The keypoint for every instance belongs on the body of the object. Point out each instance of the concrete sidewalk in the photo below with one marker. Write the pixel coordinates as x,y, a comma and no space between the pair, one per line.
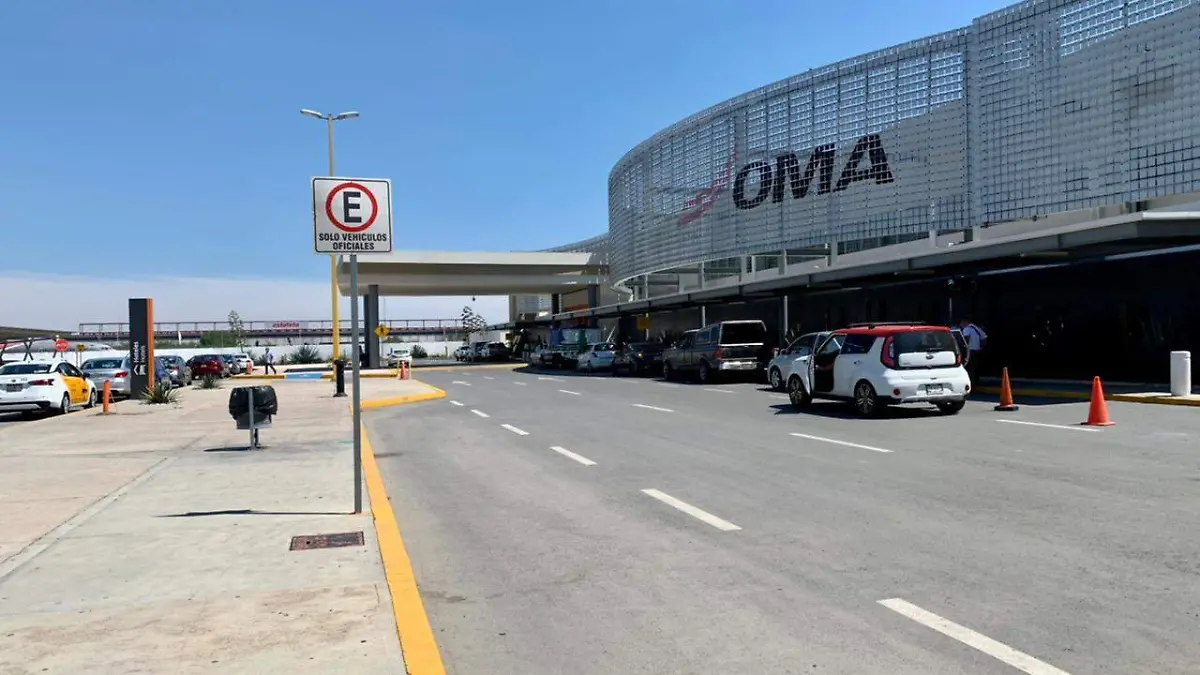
151,540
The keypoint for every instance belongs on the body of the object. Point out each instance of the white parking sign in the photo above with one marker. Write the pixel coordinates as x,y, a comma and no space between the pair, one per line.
352,215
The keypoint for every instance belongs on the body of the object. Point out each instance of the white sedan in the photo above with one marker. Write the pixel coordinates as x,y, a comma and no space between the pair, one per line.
44,386
780,367
596,357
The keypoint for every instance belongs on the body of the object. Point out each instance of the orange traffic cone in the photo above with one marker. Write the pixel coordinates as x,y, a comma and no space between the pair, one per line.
1098,412
1006,399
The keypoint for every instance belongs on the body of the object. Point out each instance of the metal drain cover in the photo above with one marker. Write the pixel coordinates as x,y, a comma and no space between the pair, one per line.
336,540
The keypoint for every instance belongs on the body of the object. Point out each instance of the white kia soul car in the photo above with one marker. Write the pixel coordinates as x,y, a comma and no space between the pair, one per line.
880,364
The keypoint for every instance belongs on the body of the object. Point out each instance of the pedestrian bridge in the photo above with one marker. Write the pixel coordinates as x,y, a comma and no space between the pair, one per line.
473,273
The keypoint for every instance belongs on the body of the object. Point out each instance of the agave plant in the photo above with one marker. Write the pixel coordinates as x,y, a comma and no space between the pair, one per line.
306,354
160,393
210,381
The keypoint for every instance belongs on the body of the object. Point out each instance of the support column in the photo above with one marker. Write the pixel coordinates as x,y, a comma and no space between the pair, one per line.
370,323
555,304
786,327
593,300
703,316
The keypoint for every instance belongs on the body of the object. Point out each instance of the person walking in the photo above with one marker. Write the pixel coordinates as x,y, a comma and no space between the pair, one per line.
269,361
976,341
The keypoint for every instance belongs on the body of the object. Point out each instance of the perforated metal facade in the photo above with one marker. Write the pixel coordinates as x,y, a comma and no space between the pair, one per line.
1043,107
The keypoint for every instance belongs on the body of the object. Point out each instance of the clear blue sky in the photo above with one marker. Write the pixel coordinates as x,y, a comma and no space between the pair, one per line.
142,126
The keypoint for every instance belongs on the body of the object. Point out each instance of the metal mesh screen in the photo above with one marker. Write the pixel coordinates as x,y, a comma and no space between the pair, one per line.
1041,107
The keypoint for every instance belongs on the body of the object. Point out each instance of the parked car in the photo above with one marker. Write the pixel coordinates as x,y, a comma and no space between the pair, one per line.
231,366
494,351
476,351
780,367
401,354
115,370
719,350
639,358
595,357
462,353
44,386
207,364
181,373
244,363
877,365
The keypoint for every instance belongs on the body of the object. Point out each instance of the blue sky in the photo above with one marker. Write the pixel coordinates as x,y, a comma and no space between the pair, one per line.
146,137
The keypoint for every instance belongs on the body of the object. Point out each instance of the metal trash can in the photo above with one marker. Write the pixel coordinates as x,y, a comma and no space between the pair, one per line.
252,408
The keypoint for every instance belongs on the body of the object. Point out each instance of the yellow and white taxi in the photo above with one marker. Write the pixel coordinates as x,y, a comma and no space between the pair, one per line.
44,386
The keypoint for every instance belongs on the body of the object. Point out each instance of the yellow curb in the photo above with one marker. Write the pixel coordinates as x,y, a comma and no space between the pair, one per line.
401,400
1160,400
257,377
1081,396
421,656
1039,393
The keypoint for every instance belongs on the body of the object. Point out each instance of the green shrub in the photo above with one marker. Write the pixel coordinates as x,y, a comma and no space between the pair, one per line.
419,352
159,393
306,354
210,381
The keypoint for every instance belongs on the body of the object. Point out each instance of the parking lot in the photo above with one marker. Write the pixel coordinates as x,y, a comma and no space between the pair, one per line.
586,524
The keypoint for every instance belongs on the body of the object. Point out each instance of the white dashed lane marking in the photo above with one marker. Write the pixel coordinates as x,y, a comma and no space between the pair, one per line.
456,403
692,511
578,458
479,412
573,393
465,384
651,407
837,442
1050,426
997,650
519,432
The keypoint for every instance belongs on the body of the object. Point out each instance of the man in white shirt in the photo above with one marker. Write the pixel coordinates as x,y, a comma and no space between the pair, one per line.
976,341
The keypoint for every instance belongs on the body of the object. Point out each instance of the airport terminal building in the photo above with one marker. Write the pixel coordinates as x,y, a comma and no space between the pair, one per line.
1038,170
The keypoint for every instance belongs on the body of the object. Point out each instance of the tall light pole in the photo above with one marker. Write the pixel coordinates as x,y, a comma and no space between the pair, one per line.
335,260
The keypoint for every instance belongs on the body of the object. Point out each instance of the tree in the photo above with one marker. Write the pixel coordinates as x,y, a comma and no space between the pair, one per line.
217,338
237,329
472,322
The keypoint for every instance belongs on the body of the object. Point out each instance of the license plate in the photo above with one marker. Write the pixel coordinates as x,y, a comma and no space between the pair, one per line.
933,389
13,387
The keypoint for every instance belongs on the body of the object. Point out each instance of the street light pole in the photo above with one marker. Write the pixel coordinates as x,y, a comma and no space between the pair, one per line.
334,261
356,409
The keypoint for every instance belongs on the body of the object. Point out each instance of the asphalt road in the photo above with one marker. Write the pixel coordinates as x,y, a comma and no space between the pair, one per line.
634,526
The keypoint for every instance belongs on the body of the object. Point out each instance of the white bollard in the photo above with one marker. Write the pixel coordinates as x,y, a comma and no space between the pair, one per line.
1181,373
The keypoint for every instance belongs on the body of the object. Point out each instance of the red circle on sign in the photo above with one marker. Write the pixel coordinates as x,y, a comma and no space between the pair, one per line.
60,345
342,226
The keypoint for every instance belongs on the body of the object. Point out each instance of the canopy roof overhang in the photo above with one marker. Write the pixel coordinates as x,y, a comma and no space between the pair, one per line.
984,250
426,273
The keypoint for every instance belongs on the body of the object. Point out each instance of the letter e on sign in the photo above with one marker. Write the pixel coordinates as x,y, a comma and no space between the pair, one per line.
352,216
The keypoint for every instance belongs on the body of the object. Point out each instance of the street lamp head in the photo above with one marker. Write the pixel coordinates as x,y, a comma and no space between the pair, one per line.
312,113
347,115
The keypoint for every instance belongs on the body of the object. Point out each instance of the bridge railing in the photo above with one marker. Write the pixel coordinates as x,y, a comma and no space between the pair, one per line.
281,327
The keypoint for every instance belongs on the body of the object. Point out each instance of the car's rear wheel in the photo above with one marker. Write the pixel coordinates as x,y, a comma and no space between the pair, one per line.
951,407
866,402
706,376
64,406
91,402
668,372
798,395
776,379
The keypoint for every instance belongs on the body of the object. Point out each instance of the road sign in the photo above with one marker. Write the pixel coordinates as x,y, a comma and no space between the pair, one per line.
81,348
382,331
60,345
352,215
643,323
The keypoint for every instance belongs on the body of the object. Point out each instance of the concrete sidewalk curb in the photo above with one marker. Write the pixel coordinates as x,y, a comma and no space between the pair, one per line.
392,375
421,655
377,403
1158,399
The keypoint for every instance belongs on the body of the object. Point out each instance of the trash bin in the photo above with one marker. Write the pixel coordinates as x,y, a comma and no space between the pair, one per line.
266,404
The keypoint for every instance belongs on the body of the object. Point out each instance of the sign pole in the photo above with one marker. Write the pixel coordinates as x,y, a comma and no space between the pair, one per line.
355,396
